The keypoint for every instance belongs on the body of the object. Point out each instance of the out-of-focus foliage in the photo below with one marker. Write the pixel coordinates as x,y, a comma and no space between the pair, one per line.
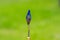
45,24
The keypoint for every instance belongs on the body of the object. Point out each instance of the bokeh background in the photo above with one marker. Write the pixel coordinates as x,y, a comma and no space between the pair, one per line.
45,23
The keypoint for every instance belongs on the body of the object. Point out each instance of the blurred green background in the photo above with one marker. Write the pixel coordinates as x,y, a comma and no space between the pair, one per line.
45,23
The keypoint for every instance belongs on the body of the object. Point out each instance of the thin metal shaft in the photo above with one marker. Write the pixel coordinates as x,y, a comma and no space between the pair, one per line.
28,32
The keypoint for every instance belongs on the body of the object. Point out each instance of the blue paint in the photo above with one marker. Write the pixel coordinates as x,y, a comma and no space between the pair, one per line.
28,17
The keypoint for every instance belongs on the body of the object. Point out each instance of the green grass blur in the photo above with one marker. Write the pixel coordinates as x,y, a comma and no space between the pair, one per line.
45,23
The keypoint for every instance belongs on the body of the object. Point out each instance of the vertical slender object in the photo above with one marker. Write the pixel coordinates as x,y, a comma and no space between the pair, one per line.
28,19
28,32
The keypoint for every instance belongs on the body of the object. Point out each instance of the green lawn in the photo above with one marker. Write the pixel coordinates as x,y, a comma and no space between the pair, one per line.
45,23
